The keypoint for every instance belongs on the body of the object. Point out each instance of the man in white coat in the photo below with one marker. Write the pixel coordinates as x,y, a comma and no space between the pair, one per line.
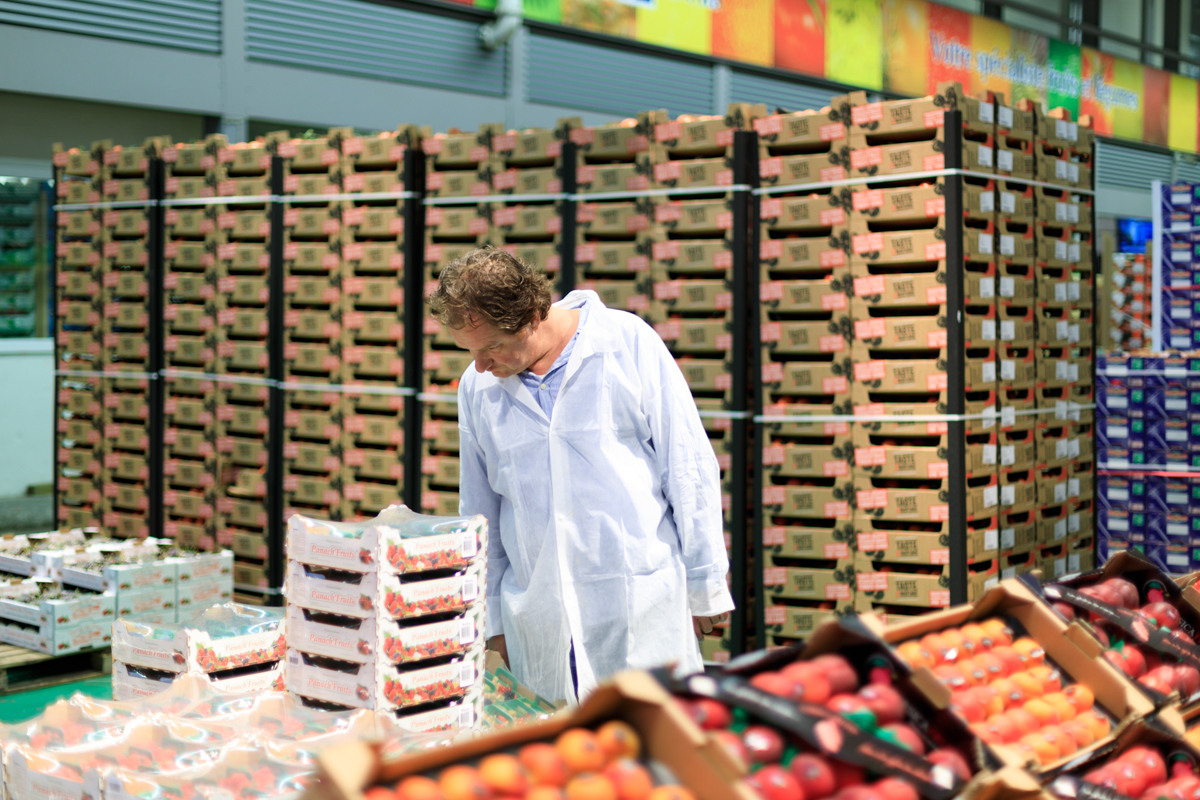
581,444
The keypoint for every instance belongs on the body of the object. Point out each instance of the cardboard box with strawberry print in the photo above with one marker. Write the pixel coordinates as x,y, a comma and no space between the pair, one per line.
397,540
368,640
222,637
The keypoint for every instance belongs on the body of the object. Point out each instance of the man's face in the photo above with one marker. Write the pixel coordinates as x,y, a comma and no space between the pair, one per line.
502,354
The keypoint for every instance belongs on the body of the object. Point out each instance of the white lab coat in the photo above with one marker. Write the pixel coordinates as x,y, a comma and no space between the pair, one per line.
605,520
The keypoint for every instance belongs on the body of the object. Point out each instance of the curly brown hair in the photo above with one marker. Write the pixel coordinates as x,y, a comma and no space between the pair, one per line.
492,286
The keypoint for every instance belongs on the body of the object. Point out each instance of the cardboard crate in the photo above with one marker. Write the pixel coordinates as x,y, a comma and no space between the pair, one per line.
881,286
634,176
1018,367
920,328
610,260
700,136
374,222
925,500
924,543
528,180
1018,491
876,374
616,141
878,582
891,456
1015,324
1018,450
813,498
459,222
806,460
374,429
613,220
809,579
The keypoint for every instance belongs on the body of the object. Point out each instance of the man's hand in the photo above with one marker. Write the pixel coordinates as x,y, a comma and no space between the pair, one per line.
702,625
498,644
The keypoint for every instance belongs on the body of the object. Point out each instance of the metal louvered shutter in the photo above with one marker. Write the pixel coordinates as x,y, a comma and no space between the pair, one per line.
376,41
747,87
1187,171
183,24
1130,168
567,73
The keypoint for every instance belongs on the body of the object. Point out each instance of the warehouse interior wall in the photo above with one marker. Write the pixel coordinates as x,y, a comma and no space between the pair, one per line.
31,123
27,424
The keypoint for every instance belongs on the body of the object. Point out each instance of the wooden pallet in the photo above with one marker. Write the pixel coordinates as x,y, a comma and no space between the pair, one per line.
22,670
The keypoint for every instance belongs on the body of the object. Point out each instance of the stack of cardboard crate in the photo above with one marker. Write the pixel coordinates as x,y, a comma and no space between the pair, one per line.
613,247
79,418
458,165
373,303
691,280
388,615
900,258
1015,297
242,233
125,295
1064,275
189,353
805,289
530,167
315,334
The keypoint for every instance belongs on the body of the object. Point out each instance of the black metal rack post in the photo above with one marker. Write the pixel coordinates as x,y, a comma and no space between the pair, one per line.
414,321
956,356
745,173
754,321
566,250
275,410
154,281
1097,263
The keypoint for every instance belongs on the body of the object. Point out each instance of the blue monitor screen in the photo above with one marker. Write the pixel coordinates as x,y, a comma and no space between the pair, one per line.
1133,233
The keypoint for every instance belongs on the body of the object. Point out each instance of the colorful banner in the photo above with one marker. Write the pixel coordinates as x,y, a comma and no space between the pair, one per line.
906,47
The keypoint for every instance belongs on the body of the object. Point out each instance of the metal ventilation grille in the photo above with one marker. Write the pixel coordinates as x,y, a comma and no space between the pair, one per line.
376,41
182,24
568,73
1130,168
747,87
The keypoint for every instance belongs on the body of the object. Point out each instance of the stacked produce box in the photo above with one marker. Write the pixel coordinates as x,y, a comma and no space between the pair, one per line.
615,163
1144,417
193,261
373,319
1016,297
1178,270
238,649
23,227
905,241
127,307
241,226
1130,303
388,615
530,168
37,612
459,166
805,291
1065,277
691,282
79,417
316,338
